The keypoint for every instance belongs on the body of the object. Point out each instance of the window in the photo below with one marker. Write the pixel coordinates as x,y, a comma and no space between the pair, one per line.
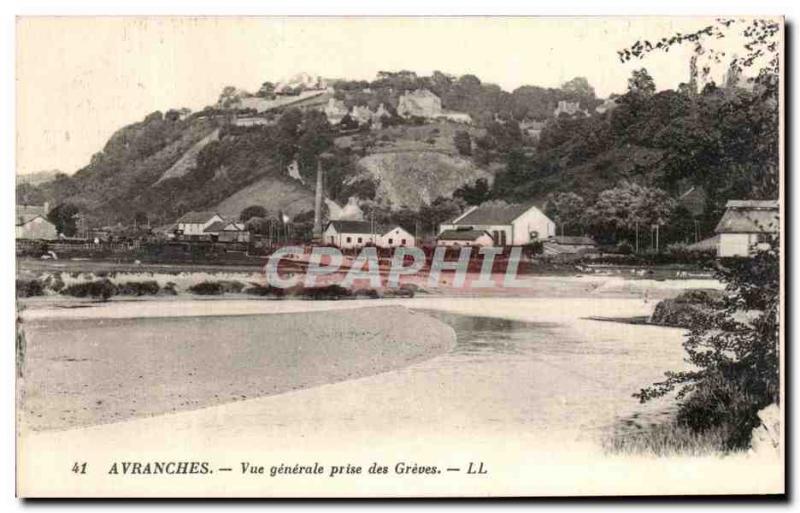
403,242
359,240
349,239
391,241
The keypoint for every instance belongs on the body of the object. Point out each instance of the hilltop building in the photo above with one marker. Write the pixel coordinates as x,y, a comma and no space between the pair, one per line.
747,226
335,110
569,108
508,225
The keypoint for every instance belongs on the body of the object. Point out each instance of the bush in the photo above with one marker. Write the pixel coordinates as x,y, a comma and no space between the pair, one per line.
54,282
231,286
138,288
29,288
734,352
366,294
169,289
325,292
102,289
217,288
207,288
269,291
624,248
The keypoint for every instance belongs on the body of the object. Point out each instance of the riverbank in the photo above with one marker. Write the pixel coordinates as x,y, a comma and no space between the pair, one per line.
87,371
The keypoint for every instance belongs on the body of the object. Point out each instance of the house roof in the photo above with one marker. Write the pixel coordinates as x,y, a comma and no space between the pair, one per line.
233,227
386,228
462,234
569,240
749,217
353,227
27,213
767,204
216,226
197,217
494,214
28,219
709,243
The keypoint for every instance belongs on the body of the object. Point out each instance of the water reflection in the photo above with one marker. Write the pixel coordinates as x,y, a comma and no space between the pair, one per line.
487,336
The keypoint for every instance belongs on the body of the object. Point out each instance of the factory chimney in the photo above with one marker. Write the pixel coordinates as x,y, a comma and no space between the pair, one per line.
317,233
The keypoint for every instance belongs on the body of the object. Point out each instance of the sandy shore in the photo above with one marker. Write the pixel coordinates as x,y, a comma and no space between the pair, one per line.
84,372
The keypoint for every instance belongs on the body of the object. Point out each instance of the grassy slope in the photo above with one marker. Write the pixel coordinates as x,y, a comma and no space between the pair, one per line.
273,193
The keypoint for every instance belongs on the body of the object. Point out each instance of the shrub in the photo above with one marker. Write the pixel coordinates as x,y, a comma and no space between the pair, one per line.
624,248
29,288
366,294
265,291
169,289
207,288
54,282
103,289
323,292
231,286
138,288
734,352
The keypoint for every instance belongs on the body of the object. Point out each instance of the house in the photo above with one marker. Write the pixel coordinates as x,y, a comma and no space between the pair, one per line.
335,110
568,244
31,223
395,237
464,237
212,231
350,234
747,226
532,129
234,232
193,225
508,224
569,108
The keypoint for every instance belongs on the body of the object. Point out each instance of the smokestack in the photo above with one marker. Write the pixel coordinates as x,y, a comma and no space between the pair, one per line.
317,233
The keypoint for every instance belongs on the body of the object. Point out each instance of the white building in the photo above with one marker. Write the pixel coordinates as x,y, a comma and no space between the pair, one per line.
396,237
357,234
194,224
349,234
508,225
464,238
747,226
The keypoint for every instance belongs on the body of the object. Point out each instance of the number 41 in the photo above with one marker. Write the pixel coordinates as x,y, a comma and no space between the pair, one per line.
79,468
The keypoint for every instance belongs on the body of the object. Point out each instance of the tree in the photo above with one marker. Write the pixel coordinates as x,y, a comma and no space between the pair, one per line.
473,194
641,83
625,209
463,142
267,90
63,217
252,211
566,209
761,53
735,352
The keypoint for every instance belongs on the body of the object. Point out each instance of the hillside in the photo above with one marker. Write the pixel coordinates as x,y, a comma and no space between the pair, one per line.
507,146
274,194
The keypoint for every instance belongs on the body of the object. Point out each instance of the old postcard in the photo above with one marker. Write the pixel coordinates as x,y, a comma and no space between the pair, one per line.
399,256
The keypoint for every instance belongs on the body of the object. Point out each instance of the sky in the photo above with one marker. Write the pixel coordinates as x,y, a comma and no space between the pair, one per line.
81,79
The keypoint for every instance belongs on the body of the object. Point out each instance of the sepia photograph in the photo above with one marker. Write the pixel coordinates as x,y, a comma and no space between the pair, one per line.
400,256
